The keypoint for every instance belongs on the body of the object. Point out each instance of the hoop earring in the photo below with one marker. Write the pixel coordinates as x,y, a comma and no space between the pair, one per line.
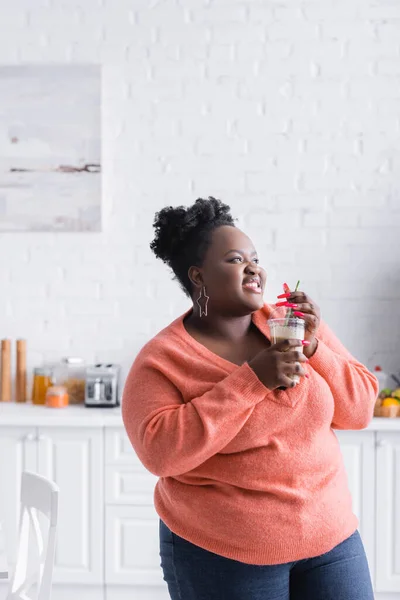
202,301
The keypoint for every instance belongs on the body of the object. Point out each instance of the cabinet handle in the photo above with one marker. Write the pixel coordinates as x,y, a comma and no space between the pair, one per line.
30,437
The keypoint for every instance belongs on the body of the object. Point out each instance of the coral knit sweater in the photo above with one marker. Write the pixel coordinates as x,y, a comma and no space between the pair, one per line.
245,472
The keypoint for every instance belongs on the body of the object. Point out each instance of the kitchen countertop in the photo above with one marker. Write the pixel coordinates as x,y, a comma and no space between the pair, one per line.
27,414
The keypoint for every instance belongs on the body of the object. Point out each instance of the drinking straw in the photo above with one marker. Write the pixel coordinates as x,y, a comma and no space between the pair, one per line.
289,314
396,379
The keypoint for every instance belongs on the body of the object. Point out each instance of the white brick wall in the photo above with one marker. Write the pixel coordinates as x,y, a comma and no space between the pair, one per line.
290,112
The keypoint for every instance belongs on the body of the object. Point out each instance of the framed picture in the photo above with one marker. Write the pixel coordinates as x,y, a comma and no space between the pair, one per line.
50,148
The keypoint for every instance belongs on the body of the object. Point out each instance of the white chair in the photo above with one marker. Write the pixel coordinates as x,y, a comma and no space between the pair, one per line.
39,496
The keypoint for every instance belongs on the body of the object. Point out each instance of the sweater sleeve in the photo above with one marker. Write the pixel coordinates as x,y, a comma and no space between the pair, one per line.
354,388
172,437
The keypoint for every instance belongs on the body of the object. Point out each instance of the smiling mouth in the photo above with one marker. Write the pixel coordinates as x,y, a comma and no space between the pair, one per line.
253,286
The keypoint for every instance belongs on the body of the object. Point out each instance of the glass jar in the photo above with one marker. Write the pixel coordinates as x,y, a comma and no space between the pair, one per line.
57,397
42,380
71,374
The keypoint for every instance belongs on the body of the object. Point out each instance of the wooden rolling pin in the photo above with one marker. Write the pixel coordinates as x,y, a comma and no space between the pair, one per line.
5,369
20,387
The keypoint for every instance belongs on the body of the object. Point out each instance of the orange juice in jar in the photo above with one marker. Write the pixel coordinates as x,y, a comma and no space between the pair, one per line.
57,397
42,380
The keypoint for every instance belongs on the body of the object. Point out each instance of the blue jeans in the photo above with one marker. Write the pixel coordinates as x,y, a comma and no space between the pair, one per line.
193,573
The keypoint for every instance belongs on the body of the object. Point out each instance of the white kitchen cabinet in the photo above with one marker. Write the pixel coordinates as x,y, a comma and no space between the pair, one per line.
358,451
131,535
129,486
132,550
127,482
119,450
387,505
73,458
108,544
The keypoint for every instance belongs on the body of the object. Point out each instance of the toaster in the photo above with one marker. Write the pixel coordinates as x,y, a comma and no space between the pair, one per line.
102,385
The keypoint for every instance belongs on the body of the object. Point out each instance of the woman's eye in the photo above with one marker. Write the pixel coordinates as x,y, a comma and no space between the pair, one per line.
239,258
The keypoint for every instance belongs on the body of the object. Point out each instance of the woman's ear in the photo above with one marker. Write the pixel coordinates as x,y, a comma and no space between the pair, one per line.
195,276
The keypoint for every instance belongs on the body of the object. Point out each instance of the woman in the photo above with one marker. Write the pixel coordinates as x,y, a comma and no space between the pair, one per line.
252,496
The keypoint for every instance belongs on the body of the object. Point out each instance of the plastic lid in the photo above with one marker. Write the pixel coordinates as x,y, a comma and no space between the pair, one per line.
43,371
56,390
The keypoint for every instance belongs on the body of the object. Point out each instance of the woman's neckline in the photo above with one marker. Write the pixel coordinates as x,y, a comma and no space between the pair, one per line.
258,318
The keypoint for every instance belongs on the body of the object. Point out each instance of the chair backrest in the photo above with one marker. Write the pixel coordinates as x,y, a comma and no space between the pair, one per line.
39,496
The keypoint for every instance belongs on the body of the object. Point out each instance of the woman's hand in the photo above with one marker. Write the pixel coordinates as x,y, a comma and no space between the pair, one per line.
276,365
306,309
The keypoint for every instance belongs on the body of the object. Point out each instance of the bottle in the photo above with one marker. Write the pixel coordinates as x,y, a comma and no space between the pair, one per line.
20,388
5,369
382,377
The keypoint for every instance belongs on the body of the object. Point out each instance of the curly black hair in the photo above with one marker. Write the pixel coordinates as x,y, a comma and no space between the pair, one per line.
184,234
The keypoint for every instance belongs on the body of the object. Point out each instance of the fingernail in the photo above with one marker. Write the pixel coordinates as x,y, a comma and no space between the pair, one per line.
305,342
298,313
284,295
287,304
307,376
286,287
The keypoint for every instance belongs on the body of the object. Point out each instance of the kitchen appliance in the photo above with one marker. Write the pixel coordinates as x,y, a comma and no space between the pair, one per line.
102,385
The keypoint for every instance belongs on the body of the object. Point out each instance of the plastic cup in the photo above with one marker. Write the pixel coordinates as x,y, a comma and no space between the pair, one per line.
288,329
